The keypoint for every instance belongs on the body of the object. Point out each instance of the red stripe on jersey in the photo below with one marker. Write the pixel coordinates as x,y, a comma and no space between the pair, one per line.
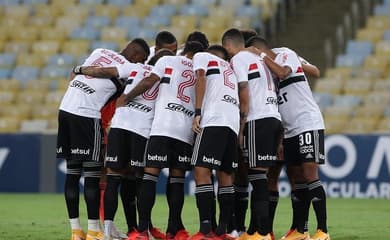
168,71
212,64
299,70
133,74
253,66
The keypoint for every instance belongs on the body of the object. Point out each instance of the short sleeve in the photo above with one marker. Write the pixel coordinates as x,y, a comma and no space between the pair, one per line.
200,62
239,66
289,59
159,67
124,69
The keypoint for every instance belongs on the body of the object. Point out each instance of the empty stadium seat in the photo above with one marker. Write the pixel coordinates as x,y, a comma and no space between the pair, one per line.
156,21
347,100
193,9
9,2
323,99
357,86
46,47
164,10
61,60
378,22
86,33
383,125
120,2
349,60
37,85
359,48
325,85
114,33
54,97
377,98
9,85
382,10
340,73
35,1
105,44
33,126
127,22
382,86
386,35
338,112
335,125
5,73
97,21
55,72
373,112
9,125
7,97
7,60
25,74
76,47
370,35
30,60
104,10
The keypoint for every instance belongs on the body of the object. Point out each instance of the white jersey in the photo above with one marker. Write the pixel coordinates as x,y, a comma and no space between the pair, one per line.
262,90
86,95
137,115
175,107
300,112
220,105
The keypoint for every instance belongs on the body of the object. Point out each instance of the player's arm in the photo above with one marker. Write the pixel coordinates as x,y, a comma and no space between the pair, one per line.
200,88
309,69
243,94
281,71
97,72
143,86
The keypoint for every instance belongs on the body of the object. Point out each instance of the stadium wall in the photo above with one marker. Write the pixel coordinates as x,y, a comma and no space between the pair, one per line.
358,166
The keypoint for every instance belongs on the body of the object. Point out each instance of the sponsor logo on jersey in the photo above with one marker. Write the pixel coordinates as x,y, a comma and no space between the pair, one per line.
212,68
253,71
136,163
211,161
266,158
167,75
179,108
229,99
82,86
306,149
112,159
139,106
157,158
80,151
272,100
184,159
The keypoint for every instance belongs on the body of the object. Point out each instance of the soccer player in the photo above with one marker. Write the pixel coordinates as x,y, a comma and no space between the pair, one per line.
274,171
263,122
303,138
80,134
217,124
171,137
164,39
126,145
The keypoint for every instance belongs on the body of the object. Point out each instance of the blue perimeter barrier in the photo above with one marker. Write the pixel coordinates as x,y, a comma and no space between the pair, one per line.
357,166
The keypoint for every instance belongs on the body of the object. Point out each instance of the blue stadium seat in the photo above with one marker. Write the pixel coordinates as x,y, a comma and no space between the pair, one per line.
347,101
61,60
382,10
55,72
25,74
359,48
142,33
104,44
193,9
97,21
7,60
81,59
323,99
248,10
85,33
91,1
127,22
163,10
204,2
9,2
386,2
348,60
387,112
156,21
120,2
5,73
35,1
386,35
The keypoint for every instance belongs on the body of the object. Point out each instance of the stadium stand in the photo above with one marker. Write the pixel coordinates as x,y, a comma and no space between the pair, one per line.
354,95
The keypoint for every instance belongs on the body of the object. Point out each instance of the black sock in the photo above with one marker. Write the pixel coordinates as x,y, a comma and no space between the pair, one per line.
128,193
111,196
214,207
273,203
146,200
72,194
175,203
92,196
258,179
294,210
252,222
226,206
240,206
318,198
204,201
301,206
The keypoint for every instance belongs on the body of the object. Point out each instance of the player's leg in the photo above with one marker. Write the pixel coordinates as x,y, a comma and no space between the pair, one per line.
314,140
207,144
273,188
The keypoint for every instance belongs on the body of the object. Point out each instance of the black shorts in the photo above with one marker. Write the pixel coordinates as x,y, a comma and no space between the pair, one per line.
166,152
261,141
125,149
216,148
79,138
305,147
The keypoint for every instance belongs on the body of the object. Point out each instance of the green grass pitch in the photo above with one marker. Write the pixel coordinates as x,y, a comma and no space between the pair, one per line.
43,216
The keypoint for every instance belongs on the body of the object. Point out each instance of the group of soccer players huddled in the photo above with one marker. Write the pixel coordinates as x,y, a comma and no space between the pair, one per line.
240,109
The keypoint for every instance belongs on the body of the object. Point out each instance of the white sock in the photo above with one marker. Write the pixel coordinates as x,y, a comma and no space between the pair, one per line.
94,225
108,225
75,223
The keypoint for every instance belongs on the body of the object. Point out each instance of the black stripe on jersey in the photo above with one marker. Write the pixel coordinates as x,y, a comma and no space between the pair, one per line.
129,81
120,87
212,71
253,75
165,80
291,80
